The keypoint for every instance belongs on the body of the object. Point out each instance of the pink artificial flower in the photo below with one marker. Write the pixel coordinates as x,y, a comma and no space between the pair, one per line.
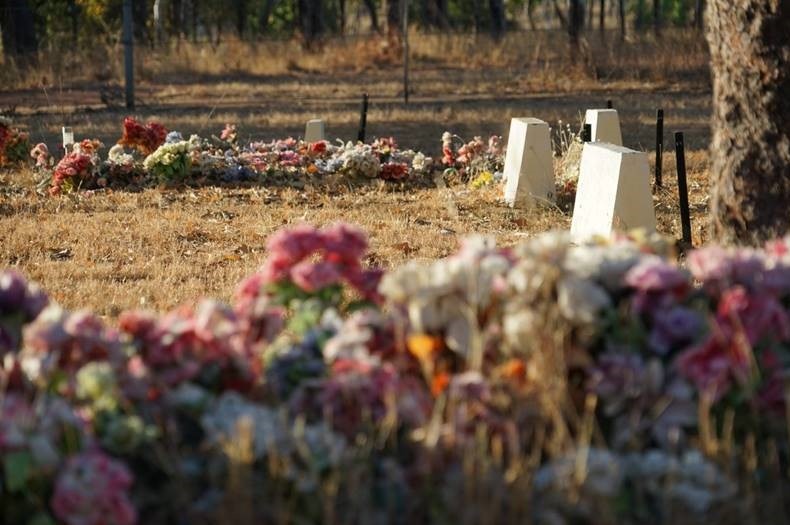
658,284
709,367
759,316
346,242
289,246
228,133
313,277
366,282
654,274
711,263
93,489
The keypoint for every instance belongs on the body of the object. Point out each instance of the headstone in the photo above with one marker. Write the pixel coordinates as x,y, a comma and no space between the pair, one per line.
529,171
314,131
613,192
605,126
68,138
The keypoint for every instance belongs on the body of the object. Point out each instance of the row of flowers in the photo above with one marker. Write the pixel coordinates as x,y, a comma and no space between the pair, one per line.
147,154
567,378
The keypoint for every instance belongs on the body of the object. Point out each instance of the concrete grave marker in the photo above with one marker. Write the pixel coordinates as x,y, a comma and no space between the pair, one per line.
529,171
605,126
68,137
613,192
314,131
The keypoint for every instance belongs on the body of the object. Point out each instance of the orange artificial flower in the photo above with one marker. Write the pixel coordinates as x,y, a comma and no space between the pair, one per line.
514,369
423,346
312,169
439,383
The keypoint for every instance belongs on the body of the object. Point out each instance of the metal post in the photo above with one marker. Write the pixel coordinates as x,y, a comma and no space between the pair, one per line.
609,104
128,46
659,146
363,119
685,213
587,133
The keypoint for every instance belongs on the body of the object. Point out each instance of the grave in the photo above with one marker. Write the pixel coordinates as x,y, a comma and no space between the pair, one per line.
605,126
613,192
529,171
314,131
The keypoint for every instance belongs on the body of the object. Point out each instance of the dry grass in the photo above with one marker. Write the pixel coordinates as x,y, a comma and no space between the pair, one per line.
155,249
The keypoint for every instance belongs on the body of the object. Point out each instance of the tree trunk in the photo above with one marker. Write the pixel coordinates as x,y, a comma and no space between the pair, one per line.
265,14
602,16
241,18
560,16
621,16
575,23
394,10
374,17
699,10
342,24
750,62
530,13
18,27
657,17
158,34
497,10
311,20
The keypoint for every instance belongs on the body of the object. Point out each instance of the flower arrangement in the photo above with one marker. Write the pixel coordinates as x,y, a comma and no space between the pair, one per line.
641,382
76,168
170,162
469,160
14,143
144,138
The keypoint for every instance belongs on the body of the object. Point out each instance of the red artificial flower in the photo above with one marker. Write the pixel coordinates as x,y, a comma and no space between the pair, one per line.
144,138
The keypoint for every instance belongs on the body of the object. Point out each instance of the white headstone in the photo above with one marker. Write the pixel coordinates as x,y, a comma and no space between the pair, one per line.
605,126
314,131
529,171
68,137
613,192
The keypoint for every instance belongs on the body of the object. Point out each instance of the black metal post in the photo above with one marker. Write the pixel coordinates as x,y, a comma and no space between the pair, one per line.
363,119
587,133
685,213
609,104
659,146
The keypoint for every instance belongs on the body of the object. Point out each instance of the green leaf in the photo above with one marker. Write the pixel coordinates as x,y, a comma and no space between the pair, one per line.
42,518
17,469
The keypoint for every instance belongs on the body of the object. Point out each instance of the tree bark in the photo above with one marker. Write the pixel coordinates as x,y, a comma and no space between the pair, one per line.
750,174
530,13
602,16
394,10
18,27
560,15
497,10
374,17
241,18
575,23
699,10
657,17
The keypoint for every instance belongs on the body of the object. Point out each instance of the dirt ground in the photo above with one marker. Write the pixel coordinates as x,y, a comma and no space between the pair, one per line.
155,249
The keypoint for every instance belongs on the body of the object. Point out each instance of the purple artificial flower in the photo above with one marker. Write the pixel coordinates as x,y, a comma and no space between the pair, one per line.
677,325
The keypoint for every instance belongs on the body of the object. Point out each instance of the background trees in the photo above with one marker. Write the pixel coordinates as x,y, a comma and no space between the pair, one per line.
27,25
